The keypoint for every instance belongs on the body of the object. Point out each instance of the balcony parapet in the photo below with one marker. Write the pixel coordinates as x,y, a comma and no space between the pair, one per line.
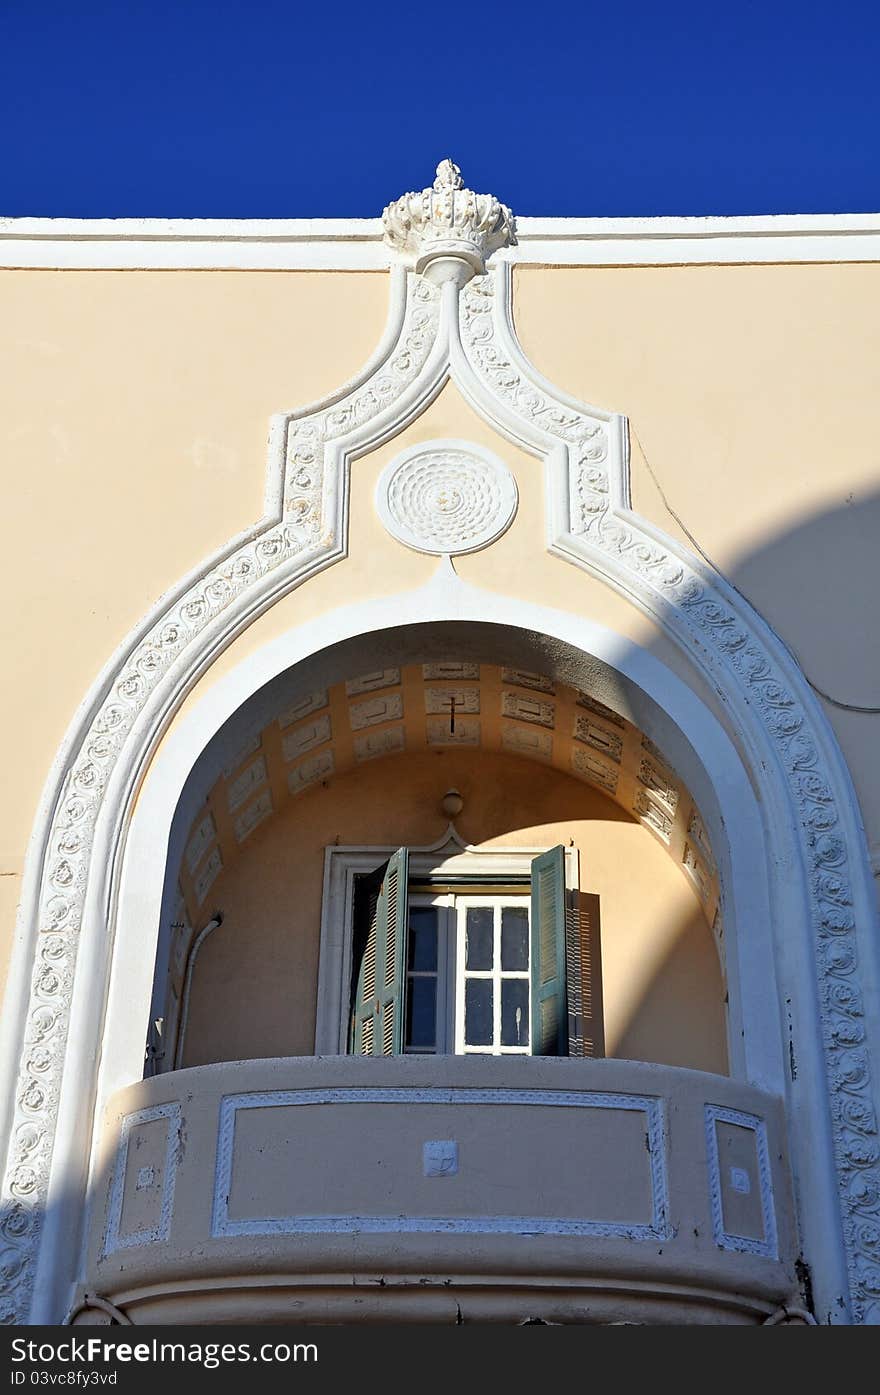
344,1189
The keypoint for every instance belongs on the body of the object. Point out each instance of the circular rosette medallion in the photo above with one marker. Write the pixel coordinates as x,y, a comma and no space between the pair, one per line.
446,497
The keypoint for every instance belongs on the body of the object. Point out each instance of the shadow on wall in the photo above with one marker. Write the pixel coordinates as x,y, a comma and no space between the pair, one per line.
817,585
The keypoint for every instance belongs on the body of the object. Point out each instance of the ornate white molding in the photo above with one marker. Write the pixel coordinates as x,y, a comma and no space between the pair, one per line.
767,1244
657,1228
51,1031
115,1239
446,497
593,526
356,244
66,883
447,232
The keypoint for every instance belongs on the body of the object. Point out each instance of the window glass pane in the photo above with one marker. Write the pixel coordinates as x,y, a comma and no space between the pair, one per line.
480,931
421,1012
514,1012
478,1011
514,937
423,938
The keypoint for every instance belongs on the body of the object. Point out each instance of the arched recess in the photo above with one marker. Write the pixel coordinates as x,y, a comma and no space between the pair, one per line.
338,745
821,903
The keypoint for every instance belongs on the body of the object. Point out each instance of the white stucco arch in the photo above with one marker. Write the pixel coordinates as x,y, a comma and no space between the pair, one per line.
817,893
703,750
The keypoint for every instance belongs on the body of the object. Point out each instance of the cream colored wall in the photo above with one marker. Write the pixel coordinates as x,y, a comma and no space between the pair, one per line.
751,390
134,420
135,411
255,982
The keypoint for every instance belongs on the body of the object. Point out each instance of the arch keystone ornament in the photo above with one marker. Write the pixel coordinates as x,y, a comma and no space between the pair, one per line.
450,319
447,232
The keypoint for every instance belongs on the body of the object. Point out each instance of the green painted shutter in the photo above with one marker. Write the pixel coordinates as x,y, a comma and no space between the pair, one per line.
549,998
379,959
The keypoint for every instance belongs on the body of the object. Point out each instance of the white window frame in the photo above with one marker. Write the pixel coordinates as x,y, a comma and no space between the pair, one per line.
497,901
450,857
445,972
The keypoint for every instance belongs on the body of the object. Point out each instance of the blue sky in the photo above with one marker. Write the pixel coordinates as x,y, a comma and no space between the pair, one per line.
273,109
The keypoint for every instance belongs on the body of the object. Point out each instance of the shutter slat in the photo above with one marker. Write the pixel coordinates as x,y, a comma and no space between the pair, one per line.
379,958
585,978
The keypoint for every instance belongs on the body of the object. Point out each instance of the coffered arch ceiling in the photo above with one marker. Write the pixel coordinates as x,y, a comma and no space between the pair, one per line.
319,735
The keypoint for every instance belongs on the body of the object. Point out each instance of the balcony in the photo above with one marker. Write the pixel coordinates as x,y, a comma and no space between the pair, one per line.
343,1189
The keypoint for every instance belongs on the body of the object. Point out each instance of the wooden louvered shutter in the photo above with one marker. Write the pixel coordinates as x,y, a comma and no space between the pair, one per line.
549,998
566,968
586,1035
380,947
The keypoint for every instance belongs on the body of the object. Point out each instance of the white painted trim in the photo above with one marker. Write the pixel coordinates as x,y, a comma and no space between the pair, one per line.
800,910
355,244
461,904
754,1041
162,1229
812,816
768,1247
657,1229
484,505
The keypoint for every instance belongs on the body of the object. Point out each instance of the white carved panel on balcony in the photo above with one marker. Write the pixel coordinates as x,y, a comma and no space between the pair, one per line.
242,786
376,710
447,497
370,682
304,707
594,734
653,1226
200,840
726,1183
527,741
467,700
528,709
305,738
310,772
466,733
251,817
156,1178
379,743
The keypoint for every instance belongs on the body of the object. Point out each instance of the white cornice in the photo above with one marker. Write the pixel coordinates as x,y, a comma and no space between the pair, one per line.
355,244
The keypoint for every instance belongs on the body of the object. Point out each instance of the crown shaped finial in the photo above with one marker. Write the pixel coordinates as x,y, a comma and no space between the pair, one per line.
447,232
448,177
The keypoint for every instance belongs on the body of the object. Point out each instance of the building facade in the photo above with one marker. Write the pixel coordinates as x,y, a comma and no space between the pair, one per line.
453,899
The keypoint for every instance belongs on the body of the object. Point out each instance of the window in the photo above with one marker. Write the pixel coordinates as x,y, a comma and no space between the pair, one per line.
466,985
474,967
